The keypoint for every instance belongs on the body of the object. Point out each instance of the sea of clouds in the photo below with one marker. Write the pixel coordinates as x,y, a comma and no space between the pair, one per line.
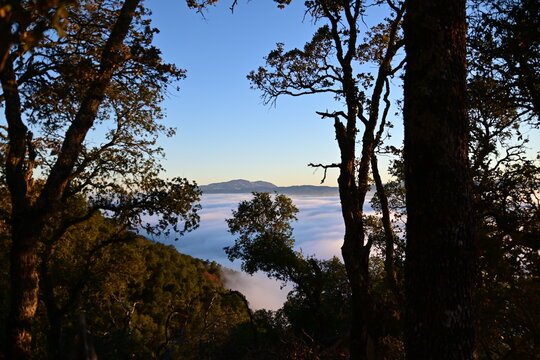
318,231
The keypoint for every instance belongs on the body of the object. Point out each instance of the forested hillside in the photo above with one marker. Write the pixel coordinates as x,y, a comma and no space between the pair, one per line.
140,299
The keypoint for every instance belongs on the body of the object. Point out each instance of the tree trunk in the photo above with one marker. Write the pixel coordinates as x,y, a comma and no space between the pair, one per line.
440,258
389,268
364,335
24,290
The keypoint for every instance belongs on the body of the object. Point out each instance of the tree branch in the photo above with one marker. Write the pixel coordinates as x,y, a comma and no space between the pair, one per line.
111,59
325,167
335,114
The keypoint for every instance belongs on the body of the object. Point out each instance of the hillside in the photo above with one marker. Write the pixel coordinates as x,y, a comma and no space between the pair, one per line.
136,292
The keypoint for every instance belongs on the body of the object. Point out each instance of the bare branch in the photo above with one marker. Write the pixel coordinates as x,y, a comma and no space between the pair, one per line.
362,117
393,71
378,136
233,5
325,167
335,114
392,5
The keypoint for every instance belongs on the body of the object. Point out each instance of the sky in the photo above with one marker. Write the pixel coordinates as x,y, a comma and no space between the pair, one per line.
224,131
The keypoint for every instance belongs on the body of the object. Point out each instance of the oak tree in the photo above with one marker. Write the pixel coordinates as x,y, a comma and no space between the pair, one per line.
317,310
104,72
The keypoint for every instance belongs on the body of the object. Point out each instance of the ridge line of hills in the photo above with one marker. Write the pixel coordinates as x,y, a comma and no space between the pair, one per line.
240,186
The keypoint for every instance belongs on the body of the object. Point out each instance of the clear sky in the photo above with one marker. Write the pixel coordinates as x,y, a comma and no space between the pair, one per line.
224,130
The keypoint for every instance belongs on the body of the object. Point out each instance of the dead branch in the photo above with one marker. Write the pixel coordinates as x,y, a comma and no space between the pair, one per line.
325,167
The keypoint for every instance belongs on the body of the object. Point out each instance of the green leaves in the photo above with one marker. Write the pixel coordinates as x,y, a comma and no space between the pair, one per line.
318,306
265,236
262,215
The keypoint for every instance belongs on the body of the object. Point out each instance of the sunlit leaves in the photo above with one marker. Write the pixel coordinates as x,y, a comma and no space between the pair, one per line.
168,203
119,164
25,23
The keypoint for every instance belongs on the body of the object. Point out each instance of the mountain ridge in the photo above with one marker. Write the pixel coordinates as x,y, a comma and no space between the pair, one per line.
240,186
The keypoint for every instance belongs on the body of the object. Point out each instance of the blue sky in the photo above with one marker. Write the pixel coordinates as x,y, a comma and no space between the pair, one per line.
224,130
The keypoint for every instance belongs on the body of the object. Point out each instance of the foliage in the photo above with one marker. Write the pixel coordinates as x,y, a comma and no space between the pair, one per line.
316,313
505,177
120,172
103,70
503,102
142,299
264,241
24,23
339,62
505,48
314,321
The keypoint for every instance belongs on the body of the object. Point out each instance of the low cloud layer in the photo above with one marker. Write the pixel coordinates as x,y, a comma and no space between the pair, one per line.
318,231
260,291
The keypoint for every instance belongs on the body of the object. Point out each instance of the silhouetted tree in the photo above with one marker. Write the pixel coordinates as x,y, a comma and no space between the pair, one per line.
328,64
503,64
319,304
504,47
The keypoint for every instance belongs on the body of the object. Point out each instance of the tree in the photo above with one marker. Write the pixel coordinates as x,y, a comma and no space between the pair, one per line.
142,299
317,308
440,256
64,88
504,48
503,63
328,64
265,242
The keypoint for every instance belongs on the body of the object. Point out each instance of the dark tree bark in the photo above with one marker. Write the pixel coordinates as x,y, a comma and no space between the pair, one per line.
389,268
31,213
440,258
24,289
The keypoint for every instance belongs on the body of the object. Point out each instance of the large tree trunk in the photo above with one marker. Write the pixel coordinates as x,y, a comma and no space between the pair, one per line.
24,290
440,259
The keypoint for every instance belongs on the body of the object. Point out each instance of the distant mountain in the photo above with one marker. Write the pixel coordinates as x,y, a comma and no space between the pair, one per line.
309,190
238,186
244,186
